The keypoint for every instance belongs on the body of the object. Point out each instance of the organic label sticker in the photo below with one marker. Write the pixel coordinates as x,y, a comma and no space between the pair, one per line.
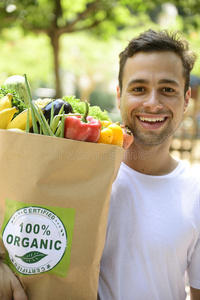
38,238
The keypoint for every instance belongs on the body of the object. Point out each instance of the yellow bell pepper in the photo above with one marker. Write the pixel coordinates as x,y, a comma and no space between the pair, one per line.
118,136
105,123
111,133
106,136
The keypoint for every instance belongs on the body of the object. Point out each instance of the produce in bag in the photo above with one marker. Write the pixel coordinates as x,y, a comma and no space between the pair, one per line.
54,201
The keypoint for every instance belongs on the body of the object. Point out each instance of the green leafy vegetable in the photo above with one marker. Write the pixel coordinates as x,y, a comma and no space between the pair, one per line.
97,113
79,107
16,101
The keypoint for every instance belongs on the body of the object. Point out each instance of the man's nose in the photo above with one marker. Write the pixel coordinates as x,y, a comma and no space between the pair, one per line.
152,101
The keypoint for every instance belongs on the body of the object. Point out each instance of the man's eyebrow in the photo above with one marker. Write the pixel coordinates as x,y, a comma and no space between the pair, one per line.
170,81
138,80
145,81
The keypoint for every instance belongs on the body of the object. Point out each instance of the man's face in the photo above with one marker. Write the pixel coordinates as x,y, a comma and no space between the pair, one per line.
152,100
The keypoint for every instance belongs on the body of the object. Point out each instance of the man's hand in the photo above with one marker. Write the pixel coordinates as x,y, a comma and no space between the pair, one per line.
128,137
10,286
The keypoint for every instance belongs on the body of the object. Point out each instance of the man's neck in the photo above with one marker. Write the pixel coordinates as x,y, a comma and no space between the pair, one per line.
151,160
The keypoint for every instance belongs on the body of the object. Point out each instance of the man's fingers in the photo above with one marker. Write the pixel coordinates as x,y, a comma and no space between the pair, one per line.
18,290
10,286
128,137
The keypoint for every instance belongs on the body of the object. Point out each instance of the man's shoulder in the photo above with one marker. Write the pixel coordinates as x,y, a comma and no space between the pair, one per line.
190,170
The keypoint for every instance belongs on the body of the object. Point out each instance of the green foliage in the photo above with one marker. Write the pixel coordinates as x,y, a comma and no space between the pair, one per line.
103,99
41,15
190,7
30,55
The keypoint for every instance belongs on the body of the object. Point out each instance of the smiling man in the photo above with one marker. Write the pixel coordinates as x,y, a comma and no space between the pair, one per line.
153,234
160,90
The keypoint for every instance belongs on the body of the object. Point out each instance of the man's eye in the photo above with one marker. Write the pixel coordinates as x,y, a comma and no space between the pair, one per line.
139,89
167,90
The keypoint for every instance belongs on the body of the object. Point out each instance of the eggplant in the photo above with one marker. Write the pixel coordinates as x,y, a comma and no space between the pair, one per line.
57,104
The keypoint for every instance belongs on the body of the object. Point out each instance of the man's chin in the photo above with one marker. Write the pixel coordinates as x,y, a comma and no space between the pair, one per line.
151,140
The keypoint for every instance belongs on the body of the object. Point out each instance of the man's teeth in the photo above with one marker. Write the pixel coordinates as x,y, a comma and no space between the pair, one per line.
151,119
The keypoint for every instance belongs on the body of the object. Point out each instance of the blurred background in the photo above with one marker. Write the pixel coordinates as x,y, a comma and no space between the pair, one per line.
71,48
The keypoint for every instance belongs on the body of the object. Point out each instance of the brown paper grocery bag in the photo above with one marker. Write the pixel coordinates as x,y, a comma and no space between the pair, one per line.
54,200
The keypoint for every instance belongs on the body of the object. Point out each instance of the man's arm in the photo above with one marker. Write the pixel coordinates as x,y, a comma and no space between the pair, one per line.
194,294
10,286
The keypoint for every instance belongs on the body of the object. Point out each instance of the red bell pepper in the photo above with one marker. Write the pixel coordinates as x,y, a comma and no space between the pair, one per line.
84,128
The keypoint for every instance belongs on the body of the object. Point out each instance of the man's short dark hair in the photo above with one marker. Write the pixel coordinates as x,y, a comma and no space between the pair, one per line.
151,41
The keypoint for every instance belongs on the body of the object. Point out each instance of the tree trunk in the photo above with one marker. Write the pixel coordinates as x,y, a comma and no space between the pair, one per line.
85,94
55,44
86,86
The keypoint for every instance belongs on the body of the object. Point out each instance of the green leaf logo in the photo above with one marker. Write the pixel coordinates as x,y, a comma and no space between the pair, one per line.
32,257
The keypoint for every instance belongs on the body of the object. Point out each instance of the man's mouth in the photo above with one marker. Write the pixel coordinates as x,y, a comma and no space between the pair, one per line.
152,122
145,119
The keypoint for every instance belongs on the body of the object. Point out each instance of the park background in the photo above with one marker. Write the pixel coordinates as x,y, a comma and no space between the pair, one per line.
71,48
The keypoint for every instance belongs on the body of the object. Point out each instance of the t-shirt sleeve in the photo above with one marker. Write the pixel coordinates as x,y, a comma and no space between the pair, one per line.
194,264
194,267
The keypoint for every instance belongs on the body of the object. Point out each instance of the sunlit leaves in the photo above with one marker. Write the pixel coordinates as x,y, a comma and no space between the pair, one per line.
83,14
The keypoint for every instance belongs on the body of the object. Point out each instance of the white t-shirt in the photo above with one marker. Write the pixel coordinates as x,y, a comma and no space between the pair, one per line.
153,236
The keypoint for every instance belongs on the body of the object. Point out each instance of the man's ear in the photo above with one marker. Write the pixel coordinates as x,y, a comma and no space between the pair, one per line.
118,97
187,99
